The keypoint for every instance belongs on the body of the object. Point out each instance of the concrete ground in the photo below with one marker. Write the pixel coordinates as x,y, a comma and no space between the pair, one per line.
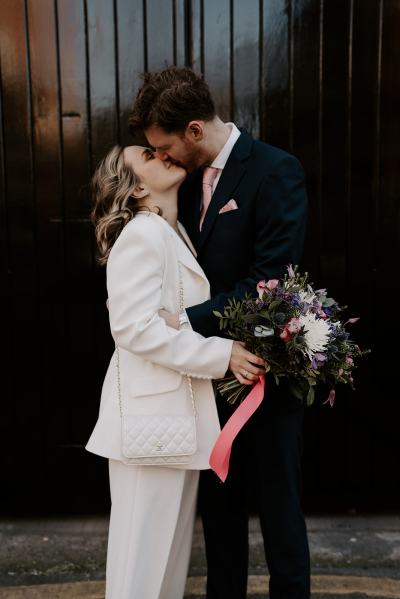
352,556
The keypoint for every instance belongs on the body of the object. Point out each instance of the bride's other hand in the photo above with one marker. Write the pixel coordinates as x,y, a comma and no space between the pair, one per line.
246,367
172,320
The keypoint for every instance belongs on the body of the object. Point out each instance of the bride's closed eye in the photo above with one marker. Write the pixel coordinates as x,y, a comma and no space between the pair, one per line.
148,154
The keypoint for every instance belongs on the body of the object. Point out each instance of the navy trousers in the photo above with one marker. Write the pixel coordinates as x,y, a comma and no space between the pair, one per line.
267,451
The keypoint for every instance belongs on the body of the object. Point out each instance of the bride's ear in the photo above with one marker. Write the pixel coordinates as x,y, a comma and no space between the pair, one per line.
140,191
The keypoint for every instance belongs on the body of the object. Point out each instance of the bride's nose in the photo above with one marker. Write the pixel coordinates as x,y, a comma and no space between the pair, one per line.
162,155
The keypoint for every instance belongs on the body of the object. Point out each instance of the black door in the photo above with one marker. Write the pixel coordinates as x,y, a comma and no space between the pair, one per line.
318,78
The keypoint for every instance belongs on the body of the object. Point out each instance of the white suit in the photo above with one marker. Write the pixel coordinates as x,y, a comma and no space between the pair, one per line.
153,508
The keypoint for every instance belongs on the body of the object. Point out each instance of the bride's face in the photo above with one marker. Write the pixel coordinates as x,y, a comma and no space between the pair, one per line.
155,175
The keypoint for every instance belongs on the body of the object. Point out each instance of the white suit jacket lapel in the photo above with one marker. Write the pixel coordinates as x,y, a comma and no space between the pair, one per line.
186,255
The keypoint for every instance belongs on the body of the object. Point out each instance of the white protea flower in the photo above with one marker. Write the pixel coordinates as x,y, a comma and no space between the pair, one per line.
317,332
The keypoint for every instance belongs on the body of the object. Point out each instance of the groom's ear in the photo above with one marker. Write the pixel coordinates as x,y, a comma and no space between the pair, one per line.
195,130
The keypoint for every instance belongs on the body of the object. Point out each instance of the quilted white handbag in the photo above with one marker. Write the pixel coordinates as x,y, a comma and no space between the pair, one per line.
154,440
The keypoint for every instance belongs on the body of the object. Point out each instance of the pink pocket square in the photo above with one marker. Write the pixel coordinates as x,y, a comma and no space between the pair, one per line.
231,205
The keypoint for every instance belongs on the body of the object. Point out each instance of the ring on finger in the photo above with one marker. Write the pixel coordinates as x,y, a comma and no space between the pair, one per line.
245,374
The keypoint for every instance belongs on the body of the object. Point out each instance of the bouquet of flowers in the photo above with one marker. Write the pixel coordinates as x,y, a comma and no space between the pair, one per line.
297,331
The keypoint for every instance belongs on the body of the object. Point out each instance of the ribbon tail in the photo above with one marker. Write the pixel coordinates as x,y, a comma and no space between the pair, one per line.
221,453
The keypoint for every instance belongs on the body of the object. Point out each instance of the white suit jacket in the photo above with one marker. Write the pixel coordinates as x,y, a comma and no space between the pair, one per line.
142,277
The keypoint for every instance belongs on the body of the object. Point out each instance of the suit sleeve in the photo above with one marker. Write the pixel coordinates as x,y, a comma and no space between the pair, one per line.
135,277
280,223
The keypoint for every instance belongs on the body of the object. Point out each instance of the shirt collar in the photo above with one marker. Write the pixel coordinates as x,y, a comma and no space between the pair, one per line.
222,158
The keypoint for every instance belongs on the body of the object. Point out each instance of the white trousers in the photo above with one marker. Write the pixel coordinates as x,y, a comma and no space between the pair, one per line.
151,527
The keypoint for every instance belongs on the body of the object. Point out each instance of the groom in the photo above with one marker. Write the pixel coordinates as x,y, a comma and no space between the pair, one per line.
244,206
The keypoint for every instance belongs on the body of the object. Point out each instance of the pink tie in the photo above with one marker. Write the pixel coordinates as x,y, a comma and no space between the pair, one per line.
209,175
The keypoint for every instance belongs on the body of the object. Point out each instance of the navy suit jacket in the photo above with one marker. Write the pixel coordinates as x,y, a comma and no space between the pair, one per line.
236,249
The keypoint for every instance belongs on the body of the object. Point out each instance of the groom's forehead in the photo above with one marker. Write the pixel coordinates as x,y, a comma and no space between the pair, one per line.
160,139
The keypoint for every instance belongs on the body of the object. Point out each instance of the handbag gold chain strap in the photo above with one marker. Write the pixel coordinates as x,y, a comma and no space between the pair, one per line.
188,377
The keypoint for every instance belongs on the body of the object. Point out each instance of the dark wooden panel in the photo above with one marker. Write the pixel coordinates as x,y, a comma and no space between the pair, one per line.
388,184
104,131
103,86
87,344
361,244
307,146
306,135
195,25
160,46
180,33
275,74
49,209
80,312
5,296
386,440
23,387
131,58
337,24
217,54
246,65
317,78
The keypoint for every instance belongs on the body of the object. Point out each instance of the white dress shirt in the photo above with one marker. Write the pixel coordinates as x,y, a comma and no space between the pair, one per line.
222,158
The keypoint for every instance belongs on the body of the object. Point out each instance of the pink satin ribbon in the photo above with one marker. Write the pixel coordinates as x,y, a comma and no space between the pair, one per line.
221,453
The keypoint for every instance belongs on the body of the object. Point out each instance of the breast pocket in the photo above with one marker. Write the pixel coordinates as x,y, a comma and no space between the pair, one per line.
230,226
231,214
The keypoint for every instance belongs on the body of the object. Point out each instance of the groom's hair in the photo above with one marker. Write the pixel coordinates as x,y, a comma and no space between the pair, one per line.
170,99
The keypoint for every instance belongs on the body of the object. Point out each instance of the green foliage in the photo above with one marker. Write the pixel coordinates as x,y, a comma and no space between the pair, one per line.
285,352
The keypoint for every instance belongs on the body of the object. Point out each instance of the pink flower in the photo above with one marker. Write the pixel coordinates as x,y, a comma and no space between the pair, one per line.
331,398
349,360
351,320
272,283
293,326
263,286
285,335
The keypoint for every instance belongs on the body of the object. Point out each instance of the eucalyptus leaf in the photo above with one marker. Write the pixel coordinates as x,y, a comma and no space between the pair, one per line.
296,392
327,302
279,318
310,396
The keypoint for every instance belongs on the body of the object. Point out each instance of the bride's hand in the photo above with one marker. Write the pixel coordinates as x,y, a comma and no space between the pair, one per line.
172,320
246,366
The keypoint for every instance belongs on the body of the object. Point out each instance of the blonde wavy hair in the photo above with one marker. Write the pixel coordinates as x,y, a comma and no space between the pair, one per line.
114,206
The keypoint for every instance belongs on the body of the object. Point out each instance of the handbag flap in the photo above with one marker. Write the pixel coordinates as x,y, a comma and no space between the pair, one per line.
147,436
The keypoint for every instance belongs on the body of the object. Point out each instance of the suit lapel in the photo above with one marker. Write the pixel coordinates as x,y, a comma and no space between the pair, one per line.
187,239
184,254
230,178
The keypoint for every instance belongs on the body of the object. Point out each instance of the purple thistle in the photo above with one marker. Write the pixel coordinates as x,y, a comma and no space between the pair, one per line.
318,360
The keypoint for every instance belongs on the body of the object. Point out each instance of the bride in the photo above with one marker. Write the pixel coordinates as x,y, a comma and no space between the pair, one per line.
151,267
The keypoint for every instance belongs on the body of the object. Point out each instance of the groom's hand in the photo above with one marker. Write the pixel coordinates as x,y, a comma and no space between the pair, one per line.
246,366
